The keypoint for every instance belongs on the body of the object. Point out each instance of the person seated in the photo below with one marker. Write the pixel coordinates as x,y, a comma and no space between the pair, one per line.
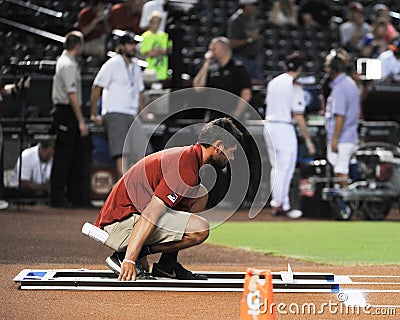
156,46
284,13
315,14
245,37
126,16
353,31
374,42
390,61
35,169
92,22
383,11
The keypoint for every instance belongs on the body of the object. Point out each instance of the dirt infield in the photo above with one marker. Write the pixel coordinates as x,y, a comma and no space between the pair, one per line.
44,238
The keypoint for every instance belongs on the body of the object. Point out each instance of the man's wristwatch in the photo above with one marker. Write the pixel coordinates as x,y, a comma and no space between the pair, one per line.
249,40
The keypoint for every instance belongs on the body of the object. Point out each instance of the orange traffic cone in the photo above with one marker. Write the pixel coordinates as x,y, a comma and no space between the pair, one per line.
258,299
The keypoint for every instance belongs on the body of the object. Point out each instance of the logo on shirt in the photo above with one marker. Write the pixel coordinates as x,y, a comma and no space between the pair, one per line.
172,197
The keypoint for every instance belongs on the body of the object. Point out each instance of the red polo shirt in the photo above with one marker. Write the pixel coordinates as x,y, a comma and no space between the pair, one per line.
171,174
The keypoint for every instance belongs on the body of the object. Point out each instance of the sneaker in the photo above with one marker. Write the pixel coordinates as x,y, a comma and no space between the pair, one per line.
3,205
175,271
276,211
293,214
114,263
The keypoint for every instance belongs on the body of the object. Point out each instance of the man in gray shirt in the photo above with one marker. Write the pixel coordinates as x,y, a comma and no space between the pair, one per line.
69,126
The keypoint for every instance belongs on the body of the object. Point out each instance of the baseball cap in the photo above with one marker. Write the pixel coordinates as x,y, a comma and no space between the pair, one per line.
355,6
395,45
127,37
244,2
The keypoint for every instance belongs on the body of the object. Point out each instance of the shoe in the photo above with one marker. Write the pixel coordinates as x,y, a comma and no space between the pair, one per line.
175,271
276,211
3,205
293,214
114,263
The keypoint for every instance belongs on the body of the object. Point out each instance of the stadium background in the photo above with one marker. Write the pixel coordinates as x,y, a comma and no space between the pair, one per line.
30,43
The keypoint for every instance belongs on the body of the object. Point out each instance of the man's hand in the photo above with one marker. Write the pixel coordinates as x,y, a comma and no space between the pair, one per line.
83,129
97,120
334,145
310,147
208,55
24,83
128,271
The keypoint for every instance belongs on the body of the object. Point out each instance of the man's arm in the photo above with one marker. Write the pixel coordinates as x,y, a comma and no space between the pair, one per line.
15,88
339,121
94,99
76,107
140,233
237,43
142,101
200,80
87,27
303,128
245,96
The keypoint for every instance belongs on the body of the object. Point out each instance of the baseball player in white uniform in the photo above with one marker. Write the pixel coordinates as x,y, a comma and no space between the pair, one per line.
285,105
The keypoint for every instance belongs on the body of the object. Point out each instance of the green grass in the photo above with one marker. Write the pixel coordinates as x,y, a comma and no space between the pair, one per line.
331,242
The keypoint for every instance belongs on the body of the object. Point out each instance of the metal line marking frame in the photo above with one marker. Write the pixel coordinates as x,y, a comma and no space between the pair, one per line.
85,279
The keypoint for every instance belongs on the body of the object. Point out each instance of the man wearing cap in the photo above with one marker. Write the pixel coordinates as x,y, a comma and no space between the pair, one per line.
244,36
354,31
119,82
285,104
390,60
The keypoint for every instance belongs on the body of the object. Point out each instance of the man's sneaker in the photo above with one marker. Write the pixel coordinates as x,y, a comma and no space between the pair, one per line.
276,211
3,205
291,214
175,271
114,263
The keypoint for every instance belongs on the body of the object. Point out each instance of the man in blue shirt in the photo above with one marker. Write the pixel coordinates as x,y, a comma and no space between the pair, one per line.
342,114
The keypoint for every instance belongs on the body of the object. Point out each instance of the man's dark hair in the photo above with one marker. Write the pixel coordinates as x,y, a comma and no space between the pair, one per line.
338,65
294,62
97,2
220,129
46,143
73,39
